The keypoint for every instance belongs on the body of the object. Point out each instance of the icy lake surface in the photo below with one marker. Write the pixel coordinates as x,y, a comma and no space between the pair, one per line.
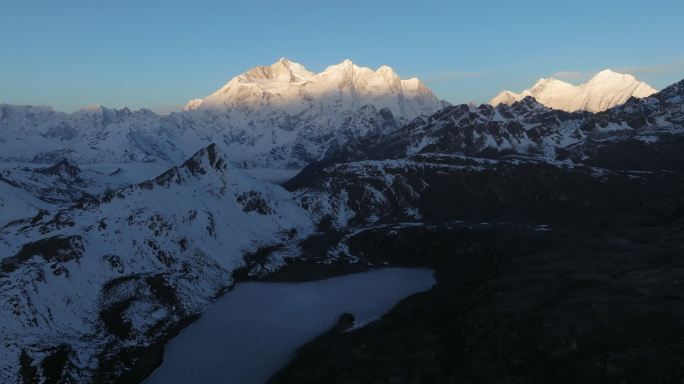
255,329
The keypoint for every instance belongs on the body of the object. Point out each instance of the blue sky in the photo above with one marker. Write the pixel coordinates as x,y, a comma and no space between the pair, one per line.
159,54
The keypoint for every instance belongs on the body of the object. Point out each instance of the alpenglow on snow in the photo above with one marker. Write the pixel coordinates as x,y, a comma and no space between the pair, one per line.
603,91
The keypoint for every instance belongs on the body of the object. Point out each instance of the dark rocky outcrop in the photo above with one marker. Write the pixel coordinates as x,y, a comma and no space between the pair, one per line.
57,249
63,169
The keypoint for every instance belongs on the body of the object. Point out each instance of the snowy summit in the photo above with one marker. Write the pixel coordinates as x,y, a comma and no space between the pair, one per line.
289,85
605,90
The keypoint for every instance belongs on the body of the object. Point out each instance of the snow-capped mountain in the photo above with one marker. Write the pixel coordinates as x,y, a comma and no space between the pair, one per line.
288,86
605,90
285,116
121,269
280,116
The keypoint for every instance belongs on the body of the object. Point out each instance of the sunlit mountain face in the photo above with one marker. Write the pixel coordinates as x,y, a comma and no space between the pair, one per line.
605,90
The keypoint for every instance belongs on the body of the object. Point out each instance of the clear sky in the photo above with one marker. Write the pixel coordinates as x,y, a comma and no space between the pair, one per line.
159,54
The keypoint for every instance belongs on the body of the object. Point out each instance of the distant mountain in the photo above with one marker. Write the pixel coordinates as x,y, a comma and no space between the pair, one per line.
605,90
525,127
279,116
285,116
288,86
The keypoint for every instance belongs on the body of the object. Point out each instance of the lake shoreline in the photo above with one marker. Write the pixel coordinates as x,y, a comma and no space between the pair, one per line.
143,361
250,343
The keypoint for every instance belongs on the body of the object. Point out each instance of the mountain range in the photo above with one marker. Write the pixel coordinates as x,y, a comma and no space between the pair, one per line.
603,91
119,227
289,86
280,116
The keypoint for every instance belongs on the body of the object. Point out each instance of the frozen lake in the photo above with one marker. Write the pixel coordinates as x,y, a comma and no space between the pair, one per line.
255,329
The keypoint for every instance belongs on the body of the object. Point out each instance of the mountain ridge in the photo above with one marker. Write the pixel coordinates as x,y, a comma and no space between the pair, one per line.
288,83
604,90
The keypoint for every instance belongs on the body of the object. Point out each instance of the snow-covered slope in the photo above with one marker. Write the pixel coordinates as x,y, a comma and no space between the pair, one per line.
285,116
28,188
280,117
16,204
605,90
119,270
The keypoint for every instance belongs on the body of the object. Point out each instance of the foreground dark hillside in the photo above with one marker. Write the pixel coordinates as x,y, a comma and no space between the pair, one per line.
513,305
595,296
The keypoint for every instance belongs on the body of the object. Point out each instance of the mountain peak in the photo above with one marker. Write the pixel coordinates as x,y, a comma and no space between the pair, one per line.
548,84
505,97
290,87
608,75
549,80
208,160
345,66
93,108
193,104
603,91
608,71
282,70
